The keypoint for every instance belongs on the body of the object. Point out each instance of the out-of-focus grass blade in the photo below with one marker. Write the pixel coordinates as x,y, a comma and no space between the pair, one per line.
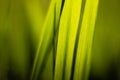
66,40
47,69
45,40
83,56
62,41
46,37
73,28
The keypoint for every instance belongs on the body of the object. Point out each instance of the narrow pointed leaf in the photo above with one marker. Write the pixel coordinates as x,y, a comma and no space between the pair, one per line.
85,42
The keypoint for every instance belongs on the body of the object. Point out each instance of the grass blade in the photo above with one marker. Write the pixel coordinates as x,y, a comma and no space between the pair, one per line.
62,38
82,64
75,17
46,38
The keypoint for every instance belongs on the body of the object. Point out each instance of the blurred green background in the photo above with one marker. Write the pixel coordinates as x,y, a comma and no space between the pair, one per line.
20,26
106,43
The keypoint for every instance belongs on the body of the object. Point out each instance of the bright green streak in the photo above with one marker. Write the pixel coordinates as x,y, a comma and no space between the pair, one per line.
46,37
85,42
66,40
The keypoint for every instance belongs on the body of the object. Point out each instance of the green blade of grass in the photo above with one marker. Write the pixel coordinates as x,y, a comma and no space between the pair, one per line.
62,38
68,25
47,68
66,40
75,17
83,56
46,37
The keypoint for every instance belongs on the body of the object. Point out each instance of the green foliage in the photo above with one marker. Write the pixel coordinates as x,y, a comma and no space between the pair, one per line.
67,29
64,39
